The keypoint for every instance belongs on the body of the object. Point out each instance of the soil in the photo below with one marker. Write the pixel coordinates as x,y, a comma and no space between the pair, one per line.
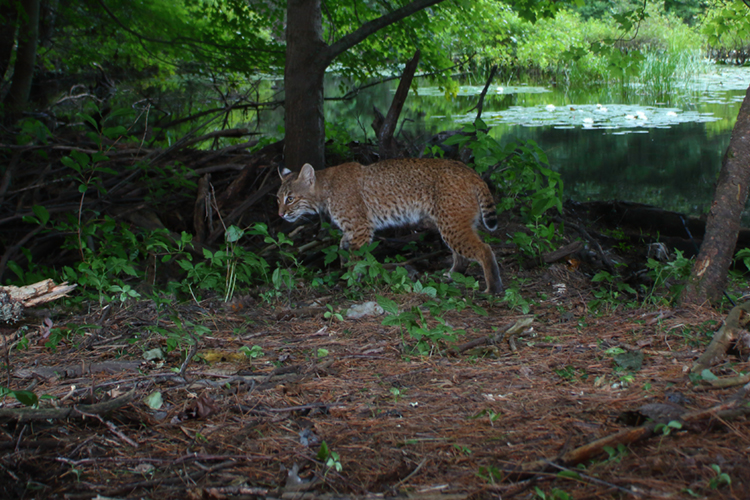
448,425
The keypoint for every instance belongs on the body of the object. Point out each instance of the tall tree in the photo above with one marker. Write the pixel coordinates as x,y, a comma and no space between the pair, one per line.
307,58
709,275
8,28
23,71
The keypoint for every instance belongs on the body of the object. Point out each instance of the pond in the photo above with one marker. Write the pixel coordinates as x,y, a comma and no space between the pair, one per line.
607,142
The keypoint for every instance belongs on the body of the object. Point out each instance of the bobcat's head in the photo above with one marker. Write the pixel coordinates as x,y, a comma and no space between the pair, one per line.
296,194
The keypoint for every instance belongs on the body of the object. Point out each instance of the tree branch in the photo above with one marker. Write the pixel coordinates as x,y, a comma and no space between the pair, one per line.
190,42
370,27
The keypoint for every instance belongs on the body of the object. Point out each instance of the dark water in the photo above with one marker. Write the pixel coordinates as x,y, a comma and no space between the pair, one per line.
606,144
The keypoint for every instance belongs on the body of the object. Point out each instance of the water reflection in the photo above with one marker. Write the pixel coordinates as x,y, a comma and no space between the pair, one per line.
607,143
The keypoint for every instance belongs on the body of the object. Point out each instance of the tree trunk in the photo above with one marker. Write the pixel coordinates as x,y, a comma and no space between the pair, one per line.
387,144
303,81
307,57
8,19
709,274
23,71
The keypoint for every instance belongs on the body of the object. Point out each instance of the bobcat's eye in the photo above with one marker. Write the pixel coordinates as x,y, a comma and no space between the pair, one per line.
290,199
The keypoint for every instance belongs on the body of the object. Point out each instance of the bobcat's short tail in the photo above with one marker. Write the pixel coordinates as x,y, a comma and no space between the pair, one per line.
487,206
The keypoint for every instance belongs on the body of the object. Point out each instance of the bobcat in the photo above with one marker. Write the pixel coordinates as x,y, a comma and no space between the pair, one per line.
362,199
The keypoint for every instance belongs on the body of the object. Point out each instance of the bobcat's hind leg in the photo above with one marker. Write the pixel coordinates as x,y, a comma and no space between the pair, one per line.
491,271
471,247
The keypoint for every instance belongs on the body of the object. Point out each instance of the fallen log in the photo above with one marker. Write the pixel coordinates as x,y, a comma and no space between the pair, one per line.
37,414
13,299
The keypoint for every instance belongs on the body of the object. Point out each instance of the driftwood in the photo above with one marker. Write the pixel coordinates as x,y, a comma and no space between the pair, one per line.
13,299
733,329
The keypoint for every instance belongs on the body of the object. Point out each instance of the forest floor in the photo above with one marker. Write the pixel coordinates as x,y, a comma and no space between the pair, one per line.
446,425
281,400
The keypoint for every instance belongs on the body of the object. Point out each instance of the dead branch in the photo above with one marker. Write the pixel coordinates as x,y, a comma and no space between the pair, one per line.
37,414
14,299
386,141
625,437
736,323
480,102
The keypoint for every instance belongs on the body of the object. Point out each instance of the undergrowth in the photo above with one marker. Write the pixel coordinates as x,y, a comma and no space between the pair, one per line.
119,261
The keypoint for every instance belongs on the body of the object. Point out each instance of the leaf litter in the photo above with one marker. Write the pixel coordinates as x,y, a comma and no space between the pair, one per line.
346,411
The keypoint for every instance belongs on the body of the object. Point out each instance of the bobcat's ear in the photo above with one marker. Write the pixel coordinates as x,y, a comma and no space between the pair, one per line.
307,174
284,172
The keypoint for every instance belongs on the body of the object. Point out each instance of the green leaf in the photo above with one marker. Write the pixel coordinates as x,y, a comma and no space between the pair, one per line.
41,213
387,304
27,398
154,400
92,122
234,234
708,376
569,474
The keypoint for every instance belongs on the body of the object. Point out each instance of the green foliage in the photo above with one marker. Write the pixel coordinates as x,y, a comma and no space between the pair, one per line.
221,271
330,458
521,171
491,474
515,300
554,494
670,276
612,294
666,429
425,323
331,315
27,398
720,480
727,24
253,352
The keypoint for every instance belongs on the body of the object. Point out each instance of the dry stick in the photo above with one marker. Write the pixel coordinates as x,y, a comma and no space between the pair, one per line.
32,414
510,328
595,480
221,152
159,154
625,437
112,427
255,105
230,132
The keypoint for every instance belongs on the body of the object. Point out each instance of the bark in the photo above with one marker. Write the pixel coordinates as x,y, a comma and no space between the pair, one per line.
709,274
23,71
8,20
307,57
306,62
388,146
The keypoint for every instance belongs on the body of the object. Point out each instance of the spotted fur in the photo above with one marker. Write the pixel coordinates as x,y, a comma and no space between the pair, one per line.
362,199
